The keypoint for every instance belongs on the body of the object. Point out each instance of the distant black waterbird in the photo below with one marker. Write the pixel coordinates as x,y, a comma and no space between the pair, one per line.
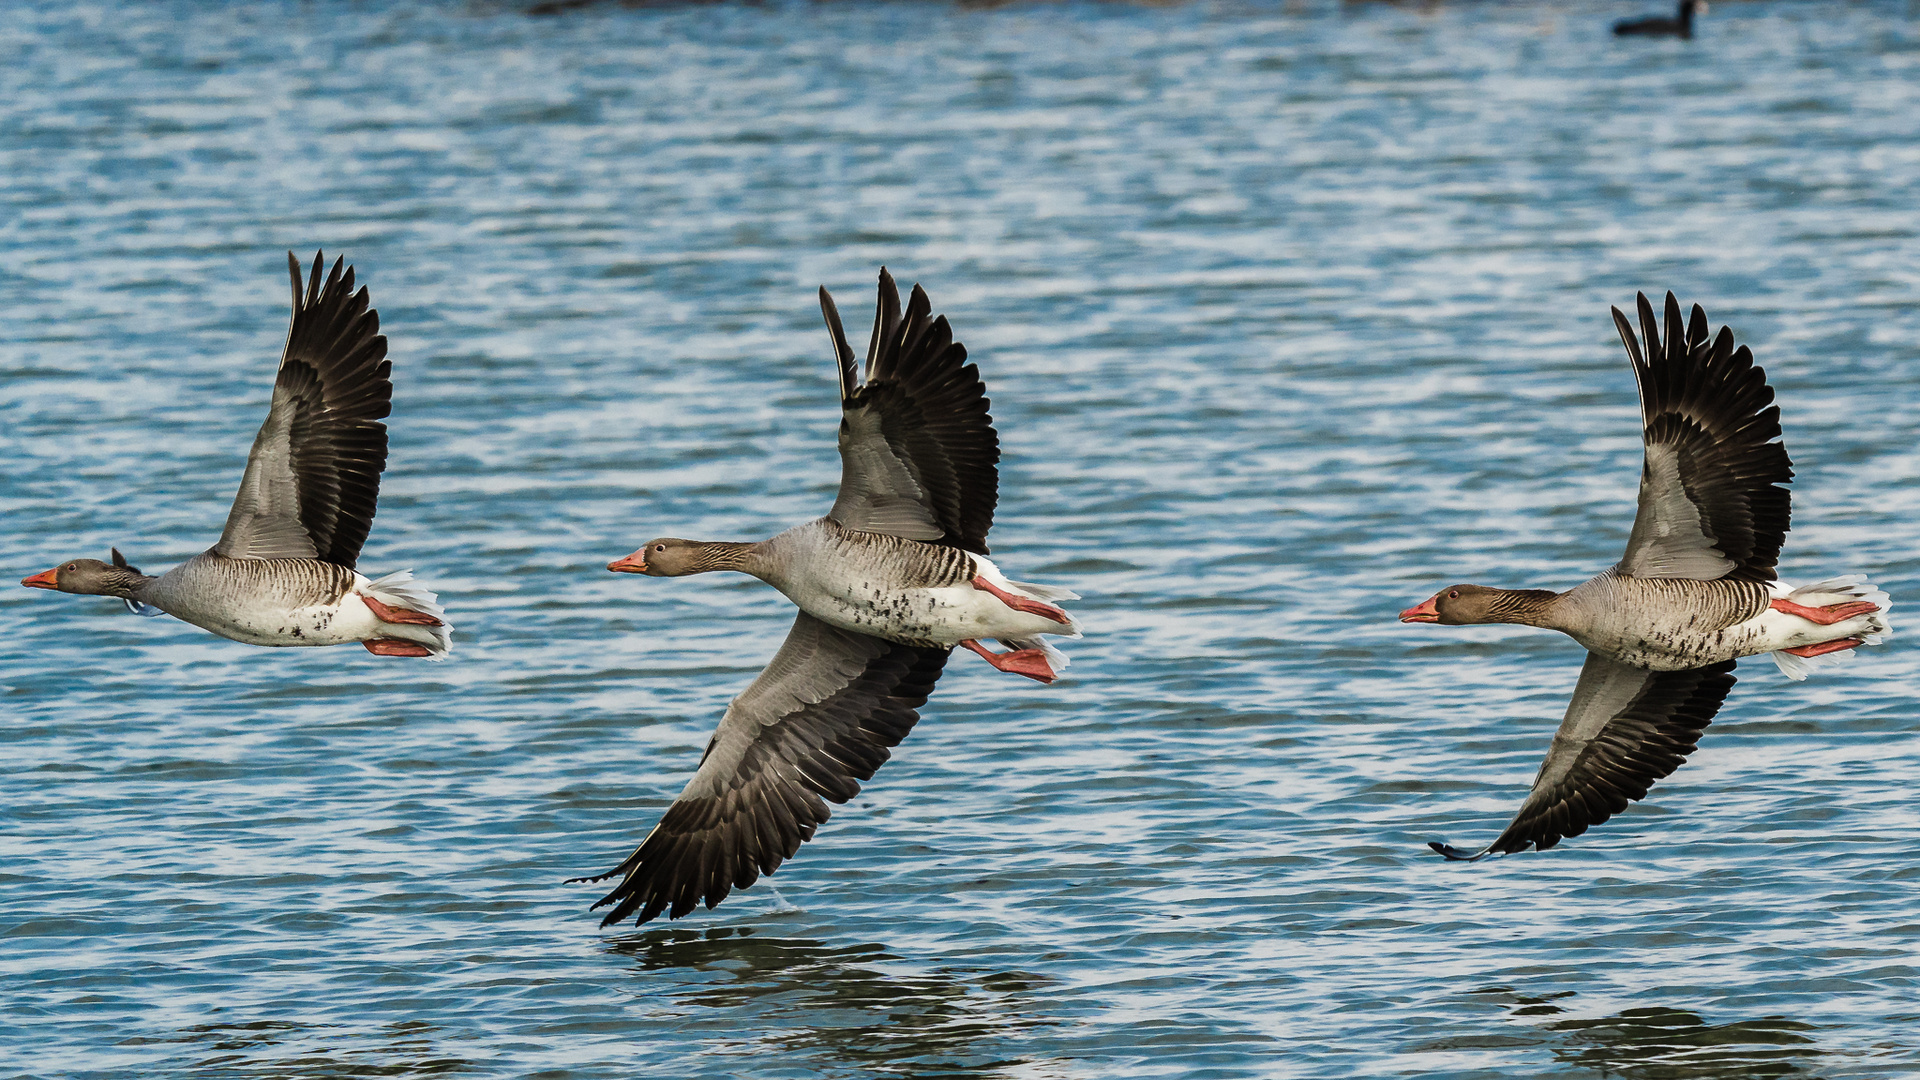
1680,26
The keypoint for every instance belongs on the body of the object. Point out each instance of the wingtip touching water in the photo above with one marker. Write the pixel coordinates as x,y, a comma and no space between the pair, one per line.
1454,854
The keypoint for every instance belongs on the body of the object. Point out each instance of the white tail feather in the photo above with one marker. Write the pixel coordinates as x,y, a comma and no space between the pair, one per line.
401,590
1050,593
1798,668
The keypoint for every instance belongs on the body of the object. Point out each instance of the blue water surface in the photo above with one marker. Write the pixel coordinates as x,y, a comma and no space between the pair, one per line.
1291,313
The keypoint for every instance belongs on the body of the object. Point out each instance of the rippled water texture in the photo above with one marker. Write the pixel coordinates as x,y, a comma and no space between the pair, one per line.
1290,315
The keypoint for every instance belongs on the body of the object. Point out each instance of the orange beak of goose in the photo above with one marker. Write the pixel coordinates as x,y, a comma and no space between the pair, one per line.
1426,612
46,580
635,563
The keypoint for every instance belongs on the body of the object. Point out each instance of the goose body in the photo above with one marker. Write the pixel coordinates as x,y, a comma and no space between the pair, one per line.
1675,624
283,573
906,591
888,583
1695,592
292,602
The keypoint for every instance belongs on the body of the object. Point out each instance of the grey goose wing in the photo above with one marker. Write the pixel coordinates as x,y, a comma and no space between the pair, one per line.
820,719
1710,502
1626,728
918,454
314,472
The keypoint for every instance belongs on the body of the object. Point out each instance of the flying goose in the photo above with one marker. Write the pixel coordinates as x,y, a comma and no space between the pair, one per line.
1695,591
887,583
282,573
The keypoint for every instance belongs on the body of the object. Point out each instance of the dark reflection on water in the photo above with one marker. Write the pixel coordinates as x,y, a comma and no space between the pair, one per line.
284,1050
1646,1042
855,1005
1675,1044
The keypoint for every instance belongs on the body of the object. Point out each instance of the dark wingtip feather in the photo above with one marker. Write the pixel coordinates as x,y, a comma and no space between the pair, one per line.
602,876
1675,330
1649,327
313,280
886,317
842,352
1626,338
1454,854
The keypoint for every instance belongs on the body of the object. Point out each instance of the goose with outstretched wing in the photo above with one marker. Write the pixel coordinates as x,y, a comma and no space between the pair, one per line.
887,583
283,572
1695,591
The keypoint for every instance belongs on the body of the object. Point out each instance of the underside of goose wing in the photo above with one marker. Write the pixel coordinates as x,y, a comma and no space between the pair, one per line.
1625,729
314,472
819,720
919,456
1711,505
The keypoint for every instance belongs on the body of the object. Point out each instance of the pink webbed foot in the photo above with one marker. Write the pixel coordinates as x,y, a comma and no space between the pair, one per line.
386,646
1021,603
1029,662
1826,616
1825,647
397,615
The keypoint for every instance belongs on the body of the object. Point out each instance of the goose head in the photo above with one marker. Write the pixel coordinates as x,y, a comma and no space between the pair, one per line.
669,557
1465,605
90,577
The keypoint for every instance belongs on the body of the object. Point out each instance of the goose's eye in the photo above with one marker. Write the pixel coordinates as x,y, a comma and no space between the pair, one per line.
1453,594
659,547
